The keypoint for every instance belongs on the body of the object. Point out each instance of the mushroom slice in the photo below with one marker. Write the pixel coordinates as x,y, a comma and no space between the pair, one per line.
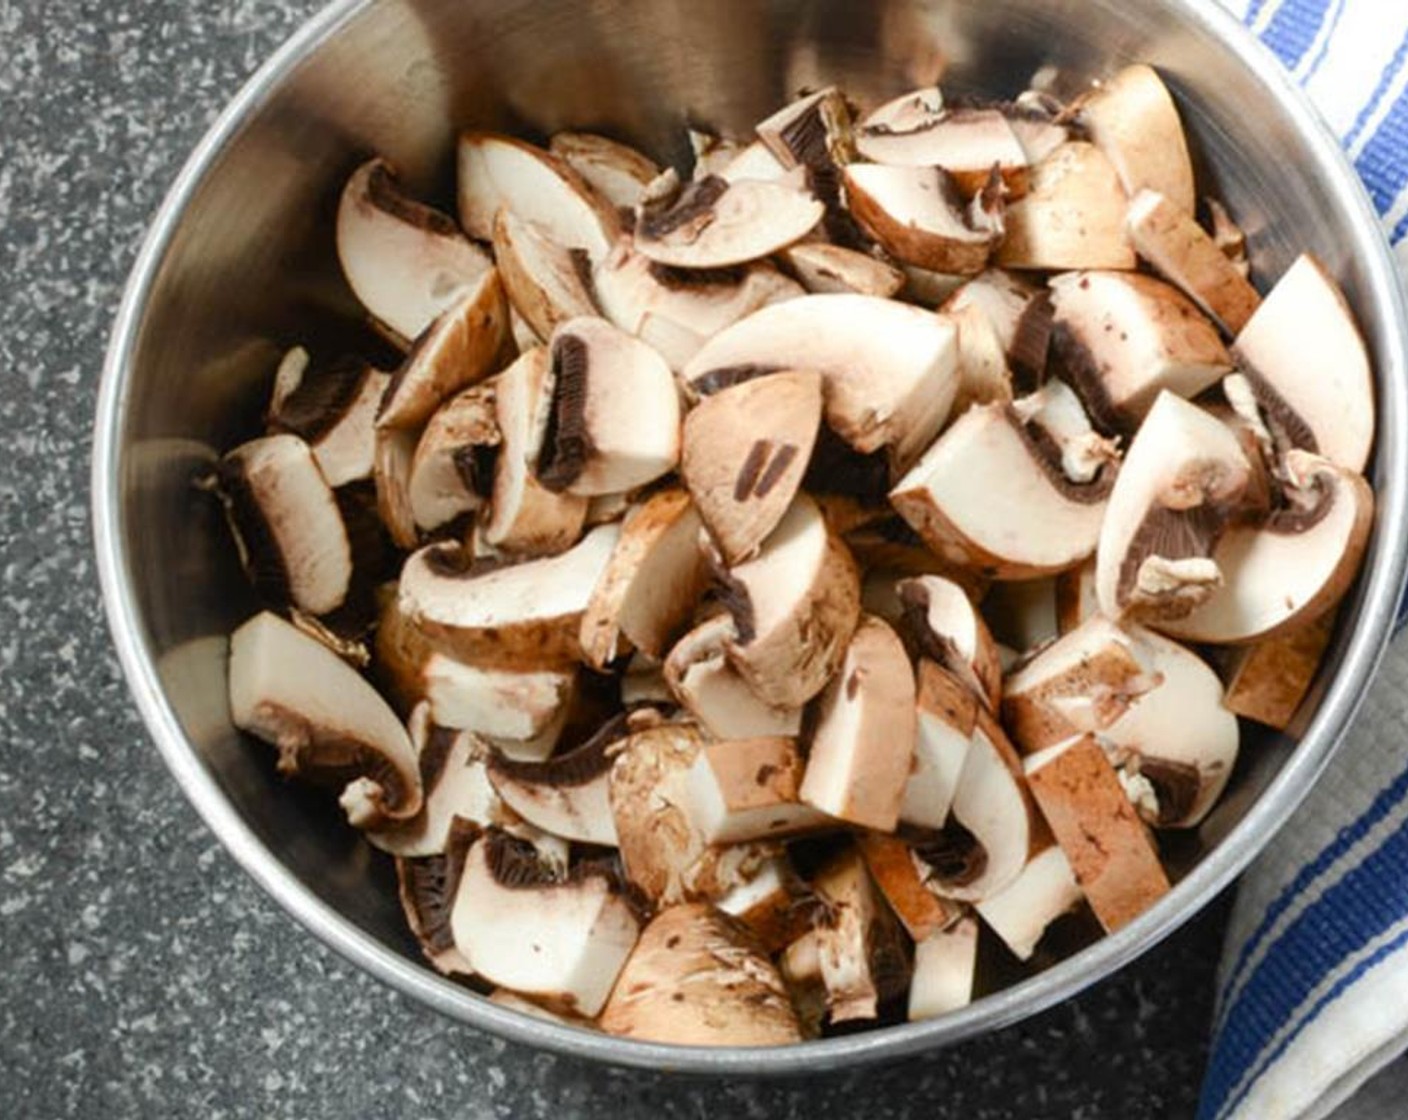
1294,568
745,450
459,349
754,161
1055,417
1178,248
513,705
519,924
889,371
1109,849
863,745
1027,517
1309,367
1184,477
983,376
546,283
1004,297
748,789
614,419
521,616
405,262
616,171
919,108
1123,338
712,152
1045,890
525,517
427,887
711,690
498,172
698,977
945,964
333,410
1133,119
916,214
823,268
941,623
1269,680
394,453
967,143
814,130
947,716
292,691
1072,217
794,609
862,950
286,523
453,468
651,584
894,871
773,904
717,224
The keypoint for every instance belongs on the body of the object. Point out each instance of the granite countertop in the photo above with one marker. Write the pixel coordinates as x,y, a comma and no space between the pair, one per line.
144,974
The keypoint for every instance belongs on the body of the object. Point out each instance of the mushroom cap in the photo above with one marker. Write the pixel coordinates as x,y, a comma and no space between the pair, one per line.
745,450
942,624
967,143
947,715
712,691
717,224
698,977
616,171
1072,217
749,789
1045,890
546,283
405,262
823,268
945,963
754,161
333,409
451,473
916,214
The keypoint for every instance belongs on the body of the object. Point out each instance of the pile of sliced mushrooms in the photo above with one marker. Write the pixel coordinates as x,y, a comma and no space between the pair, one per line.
754,588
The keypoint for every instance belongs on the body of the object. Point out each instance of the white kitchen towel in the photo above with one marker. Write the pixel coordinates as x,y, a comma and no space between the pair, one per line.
1313,994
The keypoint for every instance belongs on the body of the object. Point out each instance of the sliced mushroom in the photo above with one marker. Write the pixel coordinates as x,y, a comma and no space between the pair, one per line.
717,224
286,523
942,624
1076,598
948,715
427,888
945,964
1269,680
863,745
546,283
745,450
810,131
1183,478
525,516
713,152
983,376
614,419
794,609
712,691
519,924
616,171
1045,890
967,143
1072,217
748,789
894,871
1133,119
453,469
1123,338
751,162
499,172
698,977
405,262
916,214
1107,845
393,455
928,288
774,904
862,951
457,350
889,371
1293,569
521,616
1309,367
824,268
910,111
333,410
1004,297
651,584
292,691
1028,518
503,705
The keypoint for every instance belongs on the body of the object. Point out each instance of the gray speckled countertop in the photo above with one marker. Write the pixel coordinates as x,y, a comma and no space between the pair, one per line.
142,974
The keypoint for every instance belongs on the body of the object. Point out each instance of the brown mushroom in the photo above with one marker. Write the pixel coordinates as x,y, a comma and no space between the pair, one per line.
1072,217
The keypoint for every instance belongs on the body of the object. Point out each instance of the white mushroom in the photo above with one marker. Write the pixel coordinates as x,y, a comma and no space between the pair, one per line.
967,143
861,949
1269,680
712,691
941,623
333,409
908,112
944,967
616,171
749,789
452,471
824,268
1021,913
546,283
917,215
1072,217
751,162
518,706
717,224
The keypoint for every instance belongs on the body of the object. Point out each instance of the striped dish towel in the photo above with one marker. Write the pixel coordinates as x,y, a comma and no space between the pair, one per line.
1313,996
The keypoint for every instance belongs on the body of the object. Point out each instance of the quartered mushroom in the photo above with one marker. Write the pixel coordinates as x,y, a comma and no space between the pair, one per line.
900,878
405,262
614,414
749,789
522,711
1095,823
1184,254
427,886
452,472
919,108
546,283
520,616
291,537
713,151
698,977
1021,913
861,949
823,268
1071,217
1309,368
968,143
983,376
616,171
460,348
945,964
889,371
775,904
326,720
1122,338
794,608
519,923
332,409
752,161
947,717
498,172
651,584
1004,297
1056,418
940,622
862,747
745,451
714,223
812,131
1186,476
1269,680
700,677
917,215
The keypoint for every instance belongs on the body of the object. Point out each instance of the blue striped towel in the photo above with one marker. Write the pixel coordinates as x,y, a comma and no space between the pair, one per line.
1313,995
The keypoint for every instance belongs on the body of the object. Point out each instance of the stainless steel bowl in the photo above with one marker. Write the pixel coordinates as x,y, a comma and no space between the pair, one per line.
240,263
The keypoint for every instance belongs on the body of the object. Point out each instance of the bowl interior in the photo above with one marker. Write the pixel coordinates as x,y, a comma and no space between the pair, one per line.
249,268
